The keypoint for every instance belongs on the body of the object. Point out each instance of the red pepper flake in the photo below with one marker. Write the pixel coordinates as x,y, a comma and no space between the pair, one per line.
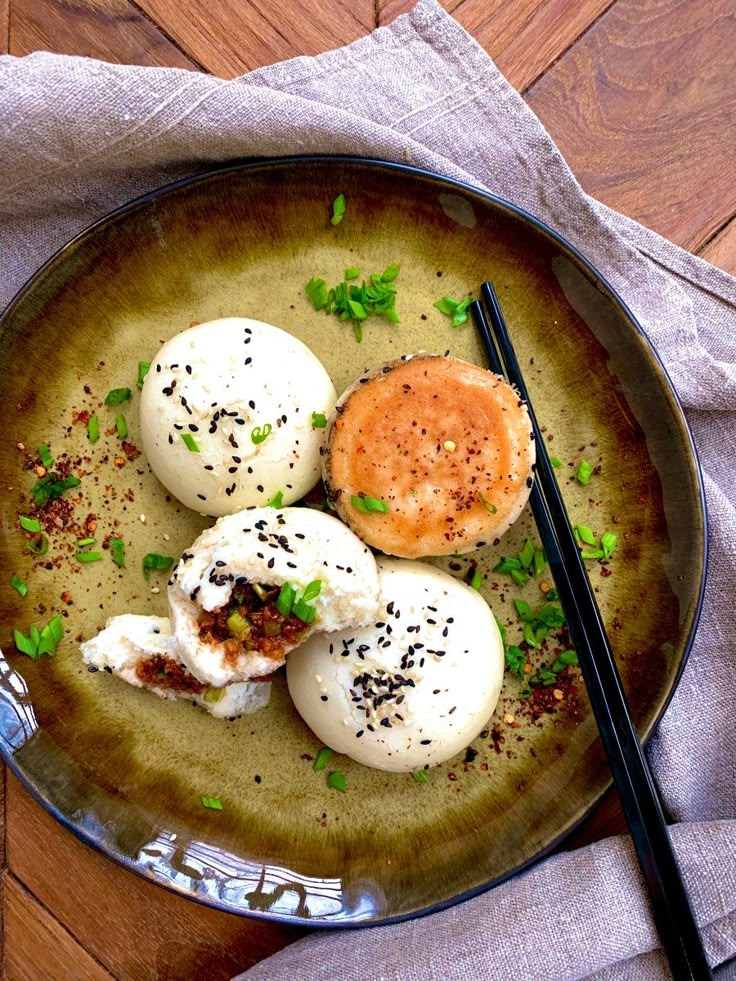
452,776
131,450
83,417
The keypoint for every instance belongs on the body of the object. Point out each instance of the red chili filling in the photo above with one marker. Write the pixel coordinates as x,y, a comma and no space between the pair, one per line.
251,622
165,672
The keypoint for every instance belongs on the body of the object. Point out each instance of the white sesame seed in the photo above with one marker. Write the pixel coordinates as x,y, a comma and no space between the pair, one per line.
318,678
167,538
155,589
450,446
143,518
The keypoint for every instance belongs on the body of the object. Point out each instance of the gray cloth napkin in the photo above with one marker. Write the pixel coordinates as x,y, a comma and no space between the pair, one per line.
78,137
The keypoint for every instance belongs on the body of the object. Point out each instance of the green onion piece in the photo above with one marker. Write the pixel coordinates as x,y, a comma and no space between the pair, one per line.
526,555
358,331
285,599
155,561
585,534
214,694
48,488
319,420
564,659
277,500
35,635
24,644
530,635
520,578
88,556
597,554
506,565
338,209
515,660
490,508
238,626
584,473
190,442
259,435
419,776
540,561
121,425
524,611
336,781
352,272
368,504
547,677
56,627
316,290
213,803
447,305
81,542
93,429
117,548
608,543
117,396
45,454
357,310
555,461
39,545
29,524
322,759
552,594
303,611
19,586
390,273
143,369
313,590
477,581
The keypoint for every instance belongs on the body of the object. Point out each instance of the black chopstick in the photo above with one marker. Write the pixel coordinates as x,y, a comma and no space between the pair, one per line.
632,776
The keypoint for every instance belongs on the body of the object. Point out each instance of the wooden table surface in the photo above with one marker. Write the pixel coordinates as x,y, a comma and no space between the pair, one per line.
640,96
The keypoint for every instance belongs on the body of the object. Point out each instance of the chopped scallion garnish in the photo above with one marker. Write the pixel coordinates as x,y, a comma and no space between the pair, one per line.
45,454
456,310
143,369
81,542
477,580
285,599
420,776
117,548
190,442
213,803
515,660
338,209
490,508
259,434
319,420
39,545
50,487
18,585
336,781
322,759
608,543
93,429
526,555
155,561
121,425
117,396
506,565
40,642
302,608
390,273
540,560
352,272
555,461
277,500
88,556
584,473
29,524
585,534
368,504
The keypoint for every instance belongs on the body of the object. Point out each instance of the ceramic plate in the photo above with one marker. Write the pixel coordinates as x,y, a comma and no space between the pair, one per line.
126,771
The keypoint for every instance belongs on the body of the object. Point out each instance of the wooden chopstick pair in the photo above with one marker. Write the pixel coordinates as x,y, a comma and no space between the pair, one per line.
631,773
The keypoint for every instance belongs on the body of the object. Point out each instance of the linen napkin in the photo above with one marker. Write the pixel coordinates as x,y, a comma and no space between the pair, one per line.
78,137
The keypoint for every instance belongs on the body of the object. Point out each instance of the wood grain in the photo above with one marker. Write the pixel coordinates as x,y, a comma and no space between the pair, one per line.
112,30
38,948
643,106
4,16
137,930
721,250
524,37
229,39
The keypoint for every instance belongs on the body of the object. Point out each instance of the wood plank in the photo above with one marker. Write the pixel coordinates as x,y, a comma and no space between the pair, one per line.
643,106
37,947
4,15
721,250
229,39
153,933
112,30
524,37
2,815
